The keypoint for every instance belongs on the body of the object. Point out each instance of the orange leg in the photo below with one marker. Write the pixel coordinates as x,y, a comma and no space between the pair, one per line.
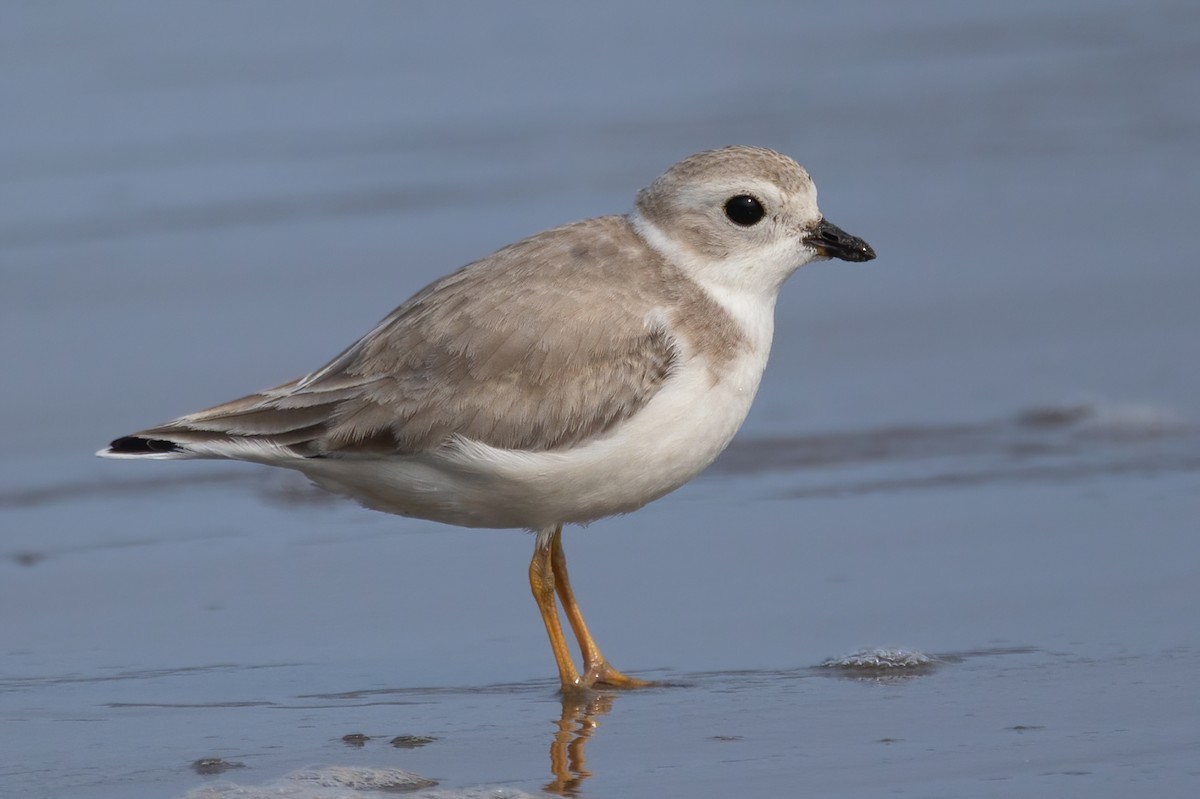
596,670
541,582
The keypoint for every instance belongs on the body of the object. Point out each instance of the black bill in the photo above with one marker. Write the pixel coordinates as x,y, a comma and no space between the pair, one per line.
831,241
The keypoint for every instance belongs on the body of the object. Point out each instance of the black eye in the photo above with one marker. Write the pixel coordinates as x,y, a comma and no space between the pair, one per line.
744,210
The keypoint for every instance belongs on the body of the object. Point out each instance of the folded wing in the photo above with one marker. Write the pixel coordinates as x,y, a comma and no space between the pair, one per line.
530,349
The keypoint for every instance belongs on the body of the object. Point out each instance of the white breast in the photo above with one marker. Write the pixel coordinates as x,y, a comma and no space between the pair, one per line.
679,432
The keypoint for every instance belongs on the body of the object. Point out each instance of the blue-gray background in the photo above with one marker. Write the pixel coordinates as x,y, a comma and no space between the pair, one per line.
982,445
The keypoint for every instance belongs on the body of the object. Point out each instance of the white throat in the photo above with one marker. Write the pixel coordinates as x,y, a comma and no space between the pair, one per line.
751,306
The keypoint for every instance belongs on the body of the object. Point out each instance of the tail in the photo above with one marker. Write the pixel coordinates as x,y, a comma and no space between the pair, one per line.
150,448
165,443
253,428
175,442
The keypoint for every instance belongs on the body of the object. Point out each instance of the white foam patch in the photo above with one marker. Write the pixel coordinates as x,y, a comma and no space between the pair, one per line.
882,659
1132,419
1107,418
350,782
480,792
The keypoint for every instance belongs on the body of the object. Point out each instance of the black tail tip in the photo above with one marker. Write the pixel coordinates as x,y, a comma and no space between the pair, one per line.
132,445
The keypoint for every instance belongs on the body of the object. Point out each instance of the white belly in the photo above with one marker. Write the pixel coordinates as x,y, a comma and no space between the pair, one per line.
668,442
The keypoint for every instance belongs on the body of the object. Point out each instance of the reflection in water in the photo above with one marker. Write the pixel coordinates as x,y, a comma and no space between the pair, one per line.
568,760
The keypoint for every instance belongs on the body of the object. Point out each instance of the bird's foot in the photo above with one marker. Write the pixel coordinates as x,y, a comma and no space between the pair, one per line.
602,675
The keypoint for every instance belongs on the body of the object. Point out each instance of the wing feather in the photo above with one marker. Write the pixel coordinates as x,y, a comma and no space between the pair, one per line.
545,344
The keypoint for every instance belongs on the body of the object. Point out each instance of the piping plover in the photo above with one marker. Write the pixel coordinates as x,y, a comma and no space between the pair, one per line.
577,374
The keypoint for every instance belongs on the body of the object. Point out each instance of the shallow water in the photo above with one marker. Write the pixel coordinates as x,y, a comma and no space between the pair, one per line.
983,447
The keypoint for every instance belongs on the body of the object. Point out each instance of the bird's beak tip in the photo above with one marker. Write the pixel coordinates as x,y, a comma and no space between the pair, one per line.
830,241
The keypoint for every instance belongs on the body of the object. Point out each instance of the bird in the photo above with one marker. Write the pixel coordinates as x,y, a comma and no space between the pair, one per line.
577,374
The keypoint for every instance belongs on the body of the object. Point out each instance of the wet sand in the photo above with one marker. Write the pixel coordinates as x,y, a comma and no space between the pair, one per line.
982,450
